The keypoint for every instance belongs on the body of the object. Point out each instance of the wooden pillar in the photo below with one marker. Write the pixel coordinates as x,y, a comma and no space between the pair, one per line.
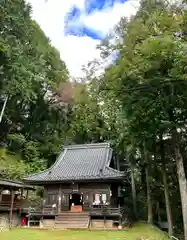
1,194
27,194
43,204
44,200
117,164
28,223
11,207
120,223
60,198
22,192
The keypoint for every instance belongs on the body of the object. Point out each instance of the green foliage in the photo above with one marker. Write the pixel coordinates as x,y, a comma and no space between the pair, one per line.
87,123
139,98
31,71
17,139
145,90
12,166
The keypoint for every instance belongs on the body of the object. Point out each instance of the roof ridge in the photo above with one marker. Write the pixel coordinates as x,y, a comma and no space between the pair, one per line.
87,145
107,160
109,157
58,160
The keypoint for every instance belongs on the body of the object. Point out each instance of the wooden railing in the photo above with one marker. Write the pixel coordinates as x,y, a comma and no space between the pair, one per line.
104,210
48,209
42,210
6,205
17,205
123,210
177,237
97,210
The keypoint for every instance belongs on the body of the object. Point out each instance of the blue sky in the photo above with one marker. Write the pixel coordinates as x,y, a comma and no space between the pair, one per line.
75,27
90,6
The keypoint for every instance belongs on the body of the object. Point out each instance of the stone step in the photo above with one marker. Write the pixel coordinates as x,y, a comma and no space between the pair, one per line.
71,227
72,220
77,215
71,223
72,214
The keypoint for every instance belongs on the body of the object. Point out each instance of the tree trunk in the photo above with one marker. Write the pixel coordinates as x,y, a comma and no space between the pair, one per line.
181,177
149,202
180,164
3,108
168,204
148,188
133,186
182,186
166,191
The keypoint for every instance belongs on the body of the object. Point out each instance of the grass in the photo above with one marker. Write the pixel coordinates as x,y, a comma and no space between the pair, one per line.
140,231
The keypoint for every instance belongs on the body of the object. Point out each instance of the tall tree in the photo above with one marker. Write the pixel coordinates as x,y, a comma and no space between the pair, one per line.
31,71
148,79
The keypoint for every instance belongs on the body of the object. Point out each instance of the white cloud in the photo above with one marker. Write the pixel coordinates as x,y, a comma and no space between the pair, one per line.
77,51
103,21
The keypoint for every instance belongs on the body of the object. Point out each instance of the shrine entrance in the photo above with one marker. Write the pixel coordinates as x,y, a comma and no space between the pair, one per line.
75,202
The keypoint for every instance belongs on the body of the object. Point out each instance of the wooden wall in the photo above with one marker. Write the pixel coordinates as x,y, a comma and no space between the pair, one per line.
88,190
51,195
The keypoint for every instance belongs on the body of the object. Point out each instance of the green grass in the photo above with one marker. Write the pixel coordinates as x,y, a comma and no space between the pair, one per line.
140,231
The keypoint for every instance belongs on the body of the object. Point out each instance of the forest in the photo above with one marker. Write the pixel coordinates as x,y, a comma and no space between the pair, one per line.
138,104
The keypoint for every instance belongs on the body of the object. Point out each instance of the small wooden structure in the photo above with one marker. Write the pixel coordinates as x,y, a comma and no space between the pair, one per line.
81,183
13,202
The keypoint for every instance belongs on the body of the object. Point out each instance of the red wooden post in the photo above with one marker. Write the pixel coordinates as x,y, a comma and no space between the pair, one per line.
11,207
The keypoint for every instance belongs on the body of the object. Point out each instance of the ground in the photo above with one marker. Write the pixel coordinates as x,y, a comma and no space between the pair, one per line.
140,231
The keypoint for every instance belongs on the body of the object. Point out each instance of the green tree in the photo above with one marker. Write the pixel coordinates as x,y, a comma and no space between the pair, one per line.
148,79
31,70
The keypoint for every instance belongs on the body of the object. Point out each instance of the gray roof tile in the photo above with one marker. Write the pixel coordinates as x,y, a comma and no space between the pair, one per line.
80,162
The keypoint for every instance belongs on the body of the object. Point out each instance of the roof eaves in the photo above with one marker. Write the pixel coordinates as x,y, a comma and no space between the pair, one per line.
12,183
103,178
115,171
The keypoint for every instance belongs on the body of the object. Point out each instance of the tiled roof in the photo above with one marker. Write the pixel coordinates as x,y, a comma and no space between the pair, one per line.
80,162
